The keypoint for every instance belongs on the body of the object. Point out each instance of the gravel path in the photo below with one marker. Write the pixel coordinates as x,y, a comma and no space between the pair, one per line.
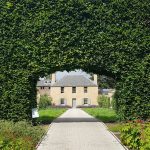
76,130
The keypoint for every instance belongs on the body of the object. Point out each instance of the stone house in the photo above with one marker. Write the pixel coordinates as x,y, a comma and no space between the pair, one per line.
71,90
107,92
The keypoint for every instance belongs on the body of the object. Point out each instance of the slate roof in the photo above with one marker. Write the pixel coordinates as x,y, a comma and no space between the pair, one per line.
46,83
74,81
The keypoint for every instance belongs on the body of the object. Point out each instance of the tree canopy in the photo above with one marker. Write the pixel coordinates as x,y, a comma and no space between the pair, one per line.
109,37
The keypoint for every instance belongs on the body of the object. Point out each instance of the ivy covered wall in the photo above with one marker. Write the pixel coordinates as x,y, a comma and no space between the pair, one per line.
109,37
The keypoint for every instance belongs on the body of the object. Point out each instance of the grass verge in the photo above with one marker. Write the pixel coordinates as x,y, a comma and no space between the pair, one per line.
49,114
114,127
108,116
103,114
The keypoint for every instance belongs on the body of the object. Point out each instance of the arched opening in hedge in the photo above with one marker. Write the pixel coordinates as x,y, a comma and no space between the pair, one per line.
108,37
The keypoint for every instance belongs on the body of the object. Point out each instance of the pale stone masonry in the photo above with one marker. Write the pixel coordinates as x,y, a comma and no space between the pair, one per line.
71,90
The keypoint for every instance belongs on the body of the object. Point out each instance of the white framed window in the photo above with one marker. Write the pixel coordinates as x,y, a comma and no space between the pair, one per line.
62,101
85,101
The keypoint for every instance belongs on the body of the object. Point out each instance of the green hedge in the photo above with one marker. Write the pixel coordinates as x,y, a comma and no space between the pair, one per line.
19,136
103,101
133,96
136,135
39,37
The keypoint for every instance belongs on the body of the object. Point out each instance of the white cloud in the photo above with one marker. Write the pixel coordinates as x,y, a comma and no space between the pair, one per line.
60,74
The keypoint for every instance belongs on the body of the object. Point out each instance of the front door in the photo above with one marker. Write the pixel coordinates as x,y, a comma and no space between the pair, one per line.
74,102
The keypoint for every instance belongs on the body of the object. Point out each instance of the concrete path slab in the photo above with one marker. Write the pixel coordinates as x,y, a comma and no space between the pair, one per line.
76,130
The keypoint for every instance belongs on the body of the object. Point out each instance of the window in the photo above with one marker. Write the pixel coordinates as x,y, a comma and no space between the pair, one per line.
73,89
42,87
49,87
85,89
62,101
85,100
62,89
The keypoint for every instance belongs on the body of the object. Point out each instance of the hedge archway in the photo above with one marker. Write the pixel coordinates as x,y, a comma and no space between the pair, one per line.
109,37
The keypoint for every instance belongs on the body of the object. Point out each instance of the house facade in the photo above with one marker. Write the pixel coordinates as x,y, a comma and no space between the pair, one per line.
71,90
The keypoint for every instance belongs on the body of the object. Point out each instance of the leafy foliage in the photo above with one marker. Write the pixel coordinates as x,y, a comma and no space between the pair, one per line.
103,101
19,136
45,101
106,82
39,37
136,135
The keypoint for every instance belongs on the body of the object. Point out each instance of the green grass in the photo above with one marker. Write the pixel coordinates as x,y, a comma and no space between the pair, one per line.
49,114
103,114
114,127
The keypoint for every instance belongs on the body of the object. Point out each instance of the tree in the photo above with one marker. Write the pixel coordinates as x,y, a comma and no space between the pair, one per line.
106,82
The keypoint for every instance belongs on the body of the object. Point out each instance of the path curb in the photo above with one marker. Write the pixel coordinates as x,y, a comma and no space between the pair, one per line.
43,136
115,137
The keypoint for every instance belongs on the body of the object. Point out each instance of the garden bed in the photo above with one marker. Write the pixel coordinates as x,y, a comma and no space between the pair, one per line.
23,135
20,135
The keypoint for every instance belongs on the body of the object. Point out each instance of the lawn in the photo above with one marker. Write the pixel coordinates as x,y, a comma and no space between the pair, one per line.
103,114
49,114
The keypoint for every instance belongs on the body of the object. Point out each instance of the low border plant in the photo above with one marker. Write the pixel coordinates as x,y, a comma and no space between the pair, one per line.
136,135
19,136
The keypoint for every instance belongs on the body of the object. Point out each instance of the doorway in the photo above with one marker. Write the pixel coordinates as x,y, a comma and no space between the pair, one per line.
74,103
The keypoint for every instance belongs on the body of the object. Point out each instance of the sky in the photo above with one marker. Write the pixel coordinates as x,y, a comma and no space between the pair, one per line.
59,74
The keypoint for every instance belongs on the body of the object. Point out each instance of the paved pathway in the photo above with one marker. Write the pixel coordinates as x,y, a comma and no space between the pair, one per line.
76,130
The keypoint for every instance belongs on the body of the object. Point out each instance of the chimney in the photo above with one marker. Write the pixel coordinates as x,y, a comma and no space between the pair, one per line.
53,78
95,79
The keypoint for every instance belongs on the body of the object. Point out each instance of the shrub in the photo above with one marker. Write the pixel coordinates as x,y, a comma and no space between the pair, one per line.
145,138
113,103
45,101
7,143
88,106
103,101
136,135
61,106
19,135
